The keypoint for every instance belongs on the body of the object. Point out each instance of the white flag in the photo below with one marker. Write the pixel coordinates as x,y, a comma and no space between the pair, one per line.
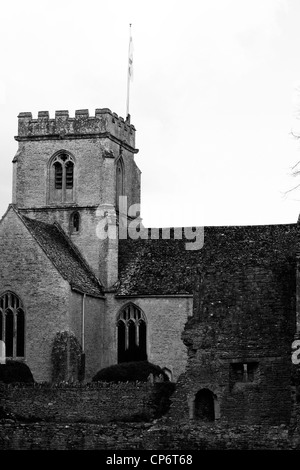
130,59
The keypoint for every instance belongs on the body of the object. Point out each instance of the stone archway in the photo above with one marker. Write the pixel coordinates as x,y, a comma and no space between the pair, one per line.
204,405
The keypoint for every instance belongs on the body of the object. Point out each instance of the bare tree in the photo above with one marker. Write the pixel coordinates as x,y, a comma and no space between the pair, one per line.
295,133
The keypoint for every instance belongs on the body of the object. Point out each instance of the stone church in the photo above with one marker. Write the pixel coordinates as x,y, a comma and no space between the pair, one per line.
219,318
122,300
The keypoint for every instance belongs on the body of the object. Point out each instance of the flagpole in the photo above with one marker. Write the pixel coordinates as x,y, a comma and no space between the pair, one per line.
128,73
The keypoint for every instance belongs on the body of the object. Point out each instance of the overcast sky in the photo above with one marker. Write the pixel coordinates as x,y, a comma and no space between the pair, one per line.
214,98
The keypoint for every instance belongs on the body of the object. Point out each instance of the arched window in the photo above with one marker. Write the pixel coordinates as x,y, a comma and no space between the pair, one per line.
12,325
119,181
61,184
132,335
74,222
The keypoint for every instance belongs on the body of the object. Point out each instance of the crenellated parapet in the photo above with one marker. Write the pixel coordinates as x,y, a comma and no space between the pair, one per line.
103,124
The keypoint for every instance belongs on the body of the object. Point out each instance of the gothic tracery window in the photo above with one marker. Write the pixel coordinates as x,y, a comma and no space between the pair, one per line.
132,335
62,178
12,325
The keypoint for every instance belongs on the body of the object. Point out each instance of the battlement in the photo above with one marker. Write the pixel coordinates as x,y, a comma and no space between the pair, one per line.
104,123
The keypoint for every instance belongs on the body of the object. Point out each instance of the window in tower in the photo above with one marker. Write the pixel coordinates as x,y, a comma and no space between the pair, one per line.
61,183
75,222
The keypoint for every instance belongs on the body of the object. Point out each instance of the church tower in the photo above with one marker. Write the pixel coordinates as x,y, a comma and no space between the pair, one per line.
72,170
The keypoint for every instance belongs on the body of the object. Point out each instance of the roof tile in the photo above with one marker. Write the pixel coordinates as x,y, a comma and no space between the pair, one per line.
165,267
64,255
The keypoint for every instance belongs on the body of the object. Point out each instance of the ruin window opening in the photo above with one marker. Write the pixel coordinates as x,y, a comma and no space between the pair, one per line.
132,335
204,405
243,372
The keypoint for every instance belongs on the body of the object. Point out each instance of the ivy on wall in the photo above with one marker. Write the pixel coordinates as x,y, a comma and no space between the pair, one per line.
67,358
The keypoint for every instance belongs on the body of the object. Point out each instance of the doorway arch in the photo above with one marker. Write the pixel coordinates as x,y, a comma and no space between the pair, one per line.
204,405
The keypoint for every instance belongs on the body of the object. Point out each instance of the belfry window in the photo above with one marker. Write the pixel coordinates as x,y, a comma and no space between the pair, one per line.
132,335
62,178
12,325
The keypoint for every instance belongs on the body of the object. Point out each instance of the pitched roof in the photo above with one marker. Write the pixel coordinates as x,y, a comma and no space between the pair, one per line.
64,256
165,267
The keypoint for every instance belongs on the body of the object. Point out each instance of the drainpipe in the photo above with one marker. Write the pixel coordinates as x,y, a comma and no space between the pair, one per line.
83,319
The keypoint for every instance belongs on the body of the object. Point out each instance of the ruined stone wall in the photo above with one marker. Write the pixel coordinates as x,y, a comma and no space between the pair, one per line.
118,416
169,440
239,341
94,402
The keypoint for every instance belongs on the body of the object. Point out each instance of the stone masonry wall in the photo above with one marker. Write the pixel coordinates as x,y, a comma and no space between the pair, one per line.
95,143
144,436
93,335
105,416
244,313
165,318
62,124
94,172
94,403
95,159
27,271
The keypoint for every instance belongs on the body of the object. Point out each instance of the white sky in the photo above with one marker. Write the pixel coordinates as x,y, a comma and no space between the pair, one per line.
215,96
